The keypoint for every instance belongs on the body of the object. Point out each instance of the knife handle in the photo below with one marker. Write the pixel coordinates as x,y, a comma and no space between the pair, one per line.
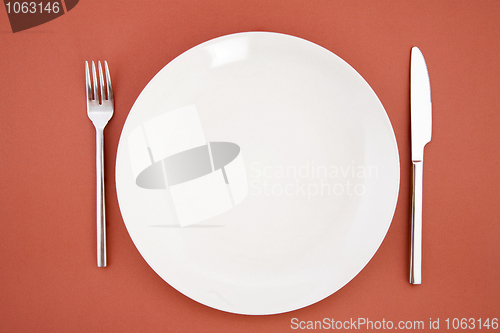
416,224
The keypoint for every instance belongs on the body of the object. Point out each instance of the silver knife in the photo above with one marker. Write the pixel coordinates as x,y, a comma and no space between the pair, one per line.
421,131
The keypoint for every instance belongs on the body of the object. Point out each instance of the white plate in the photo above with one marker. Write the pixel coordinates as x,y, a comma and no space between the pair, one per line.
282,171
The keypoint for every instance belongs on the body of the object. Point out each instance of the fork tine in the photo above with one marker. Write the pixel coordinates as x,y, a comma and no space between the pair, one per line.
87,80
101,81
96,95
109,89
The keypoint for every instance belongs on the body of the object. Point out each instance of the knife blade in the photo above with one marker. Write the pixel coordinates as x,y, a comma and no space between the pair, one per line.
421,132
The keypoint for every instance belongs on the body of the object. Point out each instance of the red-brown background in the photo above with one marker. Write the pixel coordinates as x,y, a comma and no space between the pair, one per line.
49,281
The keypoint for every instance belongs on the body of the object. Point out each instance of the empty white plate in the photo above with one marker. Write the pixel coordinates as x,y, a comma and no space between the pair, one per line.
257,173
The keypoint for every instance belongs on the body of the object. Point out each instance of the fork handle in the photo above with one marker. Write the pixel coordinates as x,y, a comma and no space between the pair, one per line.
101,210
416,224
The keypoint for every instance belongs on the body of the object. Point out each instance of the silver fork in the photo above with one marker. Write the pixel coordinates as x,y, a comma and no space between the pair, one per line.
100,107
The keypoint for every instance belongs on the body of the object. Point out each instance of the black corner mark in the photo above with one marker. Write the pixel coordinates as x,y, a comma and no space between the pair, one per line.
70,4
28,14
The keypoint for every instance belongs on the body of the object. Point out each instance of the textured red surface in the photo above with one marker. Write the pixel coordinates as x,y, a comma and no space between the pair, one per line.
49,281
